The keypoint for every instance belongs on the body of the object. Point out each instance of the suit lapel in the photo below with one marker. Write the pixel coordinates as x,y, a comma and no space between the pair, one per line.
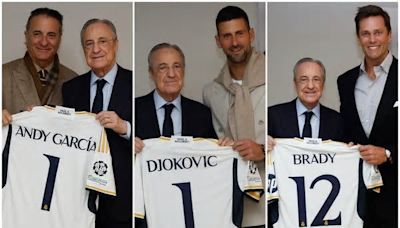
185,123
352,106
292,121
25,83
389,96
83,95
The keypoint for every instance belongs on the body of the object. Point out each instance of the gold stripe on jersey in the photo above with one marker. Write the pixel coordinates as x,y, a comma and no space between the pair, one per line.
101,190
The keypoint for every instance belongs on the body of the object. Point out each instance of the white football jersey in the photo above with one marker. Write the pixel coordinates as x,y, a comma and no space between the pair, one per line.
50,157
185,183
317,185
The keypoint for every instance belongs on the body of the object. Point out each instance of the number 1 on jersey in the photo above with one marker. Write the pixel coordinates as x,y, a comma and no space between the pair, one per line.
51,179
187,203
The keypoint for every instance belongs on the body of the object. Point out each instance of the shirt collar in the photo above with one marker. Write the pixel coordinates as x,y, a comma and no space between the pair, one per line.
385,65
160,102
300,108
109,77
48,68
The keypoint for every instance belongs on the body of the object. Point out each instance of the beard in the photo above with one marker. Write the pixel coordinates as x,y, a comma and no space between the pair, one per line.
240,58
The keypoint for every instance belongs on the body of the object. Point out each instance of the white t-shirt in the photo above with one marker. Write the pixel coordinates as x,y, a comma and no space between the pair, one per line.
49,157
318,184
185,183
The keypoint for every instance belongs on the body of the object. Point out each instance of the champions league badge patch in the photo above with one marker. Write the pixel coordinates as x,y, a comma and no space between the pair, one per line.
100,168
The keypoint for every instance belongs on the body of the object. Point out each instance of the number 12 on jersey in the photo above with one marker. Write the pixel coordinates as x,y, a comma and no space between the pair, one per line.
301,201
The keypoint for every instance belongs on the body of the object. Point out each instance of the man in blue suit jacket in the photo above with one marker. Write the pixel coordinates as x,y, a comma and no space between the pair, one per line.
287,120
107,90
189,117
368,105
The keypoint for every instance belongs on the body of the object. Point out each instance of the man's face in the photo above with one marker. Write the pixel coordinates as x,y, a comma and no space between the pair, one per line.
374,39
100,47
43,39
309,83
234,37
167,71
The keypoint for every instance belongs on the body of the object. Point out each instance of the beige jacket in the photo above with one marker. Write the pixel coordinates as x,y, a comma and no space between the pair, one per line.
218,99
19,90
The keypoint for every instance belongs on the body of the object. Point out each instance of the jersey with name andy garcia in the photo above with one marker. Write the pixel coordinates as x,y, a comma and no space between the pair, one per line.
319,185
49,157
187,183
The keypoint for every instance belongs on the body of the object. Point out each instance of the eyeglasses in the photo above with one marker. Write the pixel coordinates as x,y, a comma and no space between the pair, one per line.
305,80
102,42
164,68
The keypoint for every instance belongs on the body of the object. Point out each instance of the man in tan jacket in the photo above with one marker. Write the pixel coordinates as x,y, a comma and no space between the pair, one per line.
237,98
36,79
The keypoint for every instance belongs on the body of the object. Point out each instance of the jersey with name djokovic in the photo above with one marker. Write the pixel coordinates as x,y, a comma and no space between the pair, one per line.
50,157
192,184
319,185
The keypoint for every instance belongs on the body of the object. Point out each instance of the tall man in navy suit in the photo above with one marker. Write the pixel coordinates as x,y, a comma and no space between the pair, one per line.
368,105
155,111
289,120
107,90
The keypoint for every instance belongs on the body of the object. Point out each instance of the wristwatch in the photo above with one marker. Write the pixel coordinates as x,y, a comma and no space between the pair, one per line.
388,156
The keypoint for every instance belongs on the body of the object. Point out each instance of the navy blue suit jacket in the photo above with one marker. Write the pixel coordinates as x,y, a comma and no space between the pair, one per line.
384,134
76,94
283,123
196,118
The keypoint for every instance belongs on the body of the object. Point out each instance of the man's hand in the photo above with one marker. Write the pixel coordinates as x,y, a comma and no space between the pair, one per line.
249,150
139,145
271,143
225,141
6,117
373,155
110,119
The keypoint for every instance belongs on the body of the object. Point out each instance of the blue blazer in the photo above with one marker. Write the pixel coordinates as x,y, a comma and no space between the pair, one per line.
76,94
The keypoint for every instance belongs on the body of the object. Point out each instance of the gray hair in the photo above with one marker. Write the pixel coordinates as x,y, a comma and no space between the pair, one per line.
161,46
94,21
309,60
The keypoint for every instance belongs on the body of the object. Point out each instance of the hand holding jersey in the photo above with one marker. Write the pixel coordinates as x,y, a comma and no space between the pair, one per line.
322,178
50,155
183,182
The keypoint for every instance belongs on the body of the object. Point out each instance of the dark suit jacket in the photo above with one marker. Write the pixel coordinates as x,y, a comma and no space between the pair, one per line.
383,133
76,94
196,118
282,122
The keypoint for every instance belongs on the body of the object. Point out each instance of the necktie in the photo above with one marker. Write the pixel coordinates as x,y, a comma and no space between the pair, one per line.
43,74
98,99
307,124
168,126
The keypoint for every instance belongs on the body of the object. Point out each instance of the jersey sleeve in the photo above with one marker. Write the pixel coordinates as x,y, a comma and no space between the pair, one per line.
372,177
249,179
272,188
100,173
139,196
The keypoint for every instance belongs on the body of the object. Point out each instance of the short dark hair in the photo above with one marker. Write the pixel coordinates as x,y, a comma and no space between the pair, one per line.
229,13
371,11
47,12
94,21
161,46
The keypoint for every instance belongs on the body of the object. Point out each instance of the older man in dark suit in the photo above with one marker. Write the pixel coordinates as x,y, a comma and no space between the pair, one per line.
164,111
305,116
107,90
368,105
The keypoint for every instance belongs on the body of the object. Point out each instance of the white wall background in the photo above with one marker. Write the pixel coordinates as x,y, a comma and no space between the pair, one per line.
325,31
75,15
192,27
